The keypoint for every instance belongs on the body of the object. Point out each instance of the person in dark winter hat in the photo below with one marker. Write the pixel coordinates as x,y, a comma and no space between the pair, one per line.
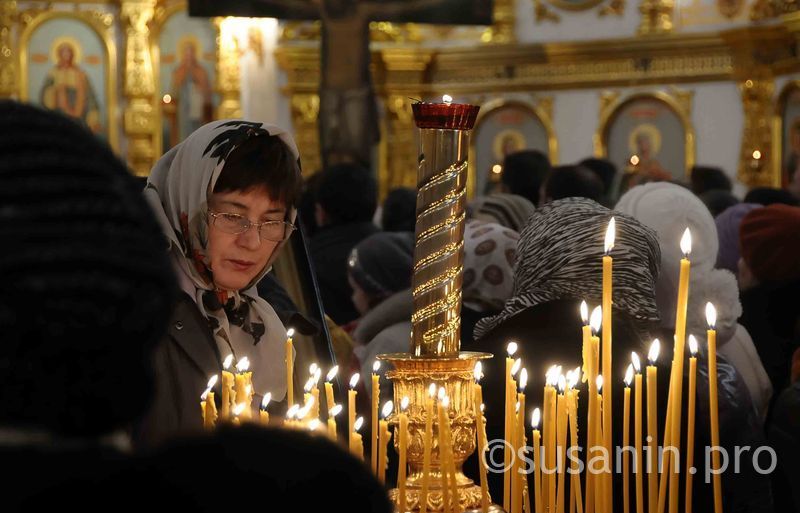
718,201
728,224
87,291
380,266
768,196
709,178
524,172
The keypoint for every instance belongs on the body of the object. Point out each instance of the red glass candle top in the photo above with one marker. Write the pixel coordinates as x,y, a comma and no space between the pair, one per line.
445,116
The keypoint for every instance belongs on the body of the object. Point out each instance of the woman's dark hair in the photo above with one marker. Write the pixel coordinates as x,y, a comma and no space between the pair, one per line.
263,161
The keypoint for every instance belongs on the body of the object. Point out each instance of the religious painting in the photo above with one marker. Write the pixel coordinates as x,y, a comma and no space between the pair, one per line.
790,131
66,68
187,54
646,139
507,128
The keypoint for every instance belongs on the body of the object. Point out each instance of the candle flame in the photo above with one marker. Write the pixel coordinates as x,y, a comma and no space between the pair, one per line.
243,365
629,375
756,154
610,234
204,395
336,410
562,384
596,319
404,403
388,407
442,393
376,366
637,363
248,390
584,313
239,408
309,385
290,333
655,348
228,361
354,380
332,373
292,412
599,382
517,407
266,400
517,365
447,99
212,382
478,371
523,380
483,407
432,390
314,425
574,377
686,243
536,416
317,375
711,316
512,348
302,412
446,401
358,423
692,345
312,369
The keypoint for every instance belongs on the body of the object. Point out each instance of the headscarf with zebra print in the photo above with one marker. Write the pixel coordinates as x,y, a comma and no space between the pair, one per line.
559,256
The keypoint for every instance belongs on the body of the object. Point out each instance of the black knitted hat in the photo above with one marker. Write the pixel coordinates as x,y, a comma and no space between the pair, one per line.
86,288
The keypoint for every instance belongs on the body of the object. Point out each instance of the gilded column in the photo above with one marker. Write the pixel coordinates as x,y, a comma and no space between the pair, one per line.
228,75
9,78
755,155
139,119
305,111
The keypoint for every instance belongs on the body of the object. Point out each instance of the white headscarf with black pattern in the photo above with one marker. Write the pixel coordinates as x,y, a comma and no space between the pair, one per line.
559,256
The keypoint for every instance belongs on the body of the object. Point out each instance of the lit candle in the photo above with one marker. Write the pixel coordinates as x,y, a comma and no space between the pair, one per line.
357,445
330,400
626,429
451,463
444,459
332,413
690,420
575,496
587,341
637,431
607,395
207,404
351,413
550,414
227,388
599,482
376,394
510,391
383,440
519,477
711,318
291,414
537,461
676,380
652,425
264,413
243,394
427,447
561,430
480,429
237,412
316,374
593,427
289,368
403,443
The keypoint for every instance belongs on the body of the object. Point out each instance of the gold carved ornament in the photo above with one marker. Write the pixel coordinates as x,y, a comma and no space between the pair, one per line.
8,62
228,69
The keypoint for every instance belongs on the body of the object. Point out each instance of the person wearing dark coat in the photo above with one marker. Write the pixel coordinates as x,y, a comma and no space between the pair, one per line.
225,199
559,265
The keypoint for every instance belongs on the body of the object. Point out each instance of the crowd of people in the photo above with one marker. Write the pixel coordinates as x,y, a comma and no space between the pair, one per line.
117,306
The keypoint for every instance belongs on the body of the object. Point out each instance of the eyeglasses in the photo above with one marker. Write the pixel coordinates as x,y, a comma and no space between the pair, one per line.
275,231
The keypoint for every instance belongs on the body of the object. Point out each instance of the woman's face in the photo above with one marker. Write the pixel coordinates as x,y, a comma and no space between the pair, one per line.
237,259
359,298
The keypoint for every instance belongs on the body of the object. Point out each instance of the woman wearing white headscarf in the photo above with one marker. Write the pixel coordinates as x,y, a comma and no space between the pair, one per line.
225,199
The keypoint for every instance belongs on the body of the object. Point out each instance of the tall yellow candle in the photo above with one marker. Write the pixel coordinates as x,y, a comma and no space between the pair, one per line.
537,461
451,465
356,441
637,432
509,413
351,411
561,435
444,457
427,447
599,481
376,396
480,430
207,404
227,388
384,436
330,400
402,447
713,399
243,394
690,421
519,478
576,498
677,369
289,358
593,426
332,413
607,351
652,426
550,414
626,442
264,413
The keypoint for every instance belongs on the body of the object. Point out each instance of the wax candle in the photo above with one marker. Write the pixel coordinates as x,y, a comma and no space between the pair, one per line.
537,461
376,395
384,436
480,430
599,482
451,465
291,414
356,442
690,421
652,426
519,478
351,409
511,349
586,339
677,370
330,400
443,447
403,447
637,431
607,350
427,447
264,413
227,388
551,415
243,394
626,430
593,427
332,413
289,358
575,497
713,399
207,405
561,435
237,412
